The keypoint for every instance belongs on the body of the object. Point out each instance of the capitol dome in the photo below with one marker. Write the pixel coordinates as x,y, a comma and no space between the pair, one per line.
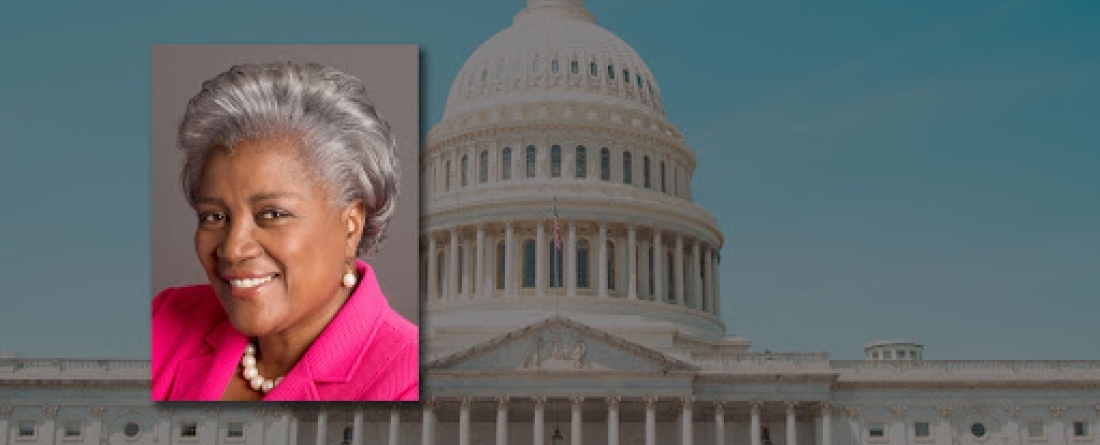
555,185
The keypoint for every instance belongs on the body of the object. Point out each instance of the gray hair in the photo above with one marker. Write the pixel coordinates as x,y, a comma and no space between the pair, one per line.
347,144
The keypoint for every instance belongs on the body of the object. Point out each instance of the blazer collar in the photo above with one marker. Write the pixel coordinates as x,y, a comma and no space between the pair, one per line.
205,375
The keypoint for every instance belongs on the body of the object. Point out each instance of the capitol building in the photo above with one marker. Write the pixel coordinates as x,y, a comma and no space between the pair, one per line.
571,295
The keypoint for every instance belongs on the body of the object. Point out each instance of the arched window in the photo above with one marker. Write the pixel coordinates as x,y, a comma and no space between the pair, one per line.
592,70
529,263
506,164
610,265
605,164
574,67
663,189
610,72
554,66
555,161
582,162
582,264
501,253
556,264
626,77
483,166
447,181
532,154
638,77
627,170
465,167
645,171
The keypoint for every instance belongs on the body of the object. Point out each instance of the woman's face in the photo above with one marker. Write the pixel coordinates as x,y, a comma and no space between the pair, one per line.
273,244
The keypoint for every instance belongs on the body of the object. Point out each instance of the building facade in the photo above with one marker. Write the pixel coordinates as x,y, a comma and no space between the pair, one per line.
571,295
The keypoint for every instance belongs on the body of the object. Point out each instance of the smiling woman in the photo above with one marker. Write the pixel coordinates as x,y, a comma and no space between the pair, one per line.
292,175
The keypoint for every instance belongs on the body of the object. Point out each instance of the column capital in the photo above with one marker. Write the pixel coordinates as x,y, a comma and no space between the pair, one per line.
685,402
50,411
852,412
650,402
612,402
465,402
1012,411
5,411
503,402
826,408
899,410
1056,411
540,402
259,413
719,408
790,405
431,404
944,411
576,402
755,406
212,413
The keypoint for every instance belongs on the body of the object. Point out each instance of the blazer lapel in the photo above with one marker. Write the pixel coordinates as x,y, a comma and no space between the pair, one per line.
204,375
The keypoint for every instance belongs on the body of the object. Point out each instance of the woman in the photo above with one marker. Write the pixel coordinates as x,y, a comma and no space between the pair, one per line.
292,175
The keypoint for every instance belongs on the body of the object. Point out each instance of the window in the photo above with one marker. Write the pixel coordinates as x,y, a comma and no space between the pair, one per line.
447,180
26,428
234,430
131,430
627,176
876,430
592,70
582,162
887,355
535,66
484,74
1080,429
610,72
555,161
610,265
554,66
1036,429
922,430
874,355
605,164
483,167
638,77
441,272
529,263
669,289
645,171
977,429
461,274
532,154
626,77
500,264
465,167
348,433
582,263
506,164
189,429
574,67
649,269
73,428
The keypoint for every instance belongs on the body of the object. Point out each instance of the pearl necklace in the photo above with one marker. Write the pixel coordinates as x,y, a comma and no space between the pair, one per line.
252,375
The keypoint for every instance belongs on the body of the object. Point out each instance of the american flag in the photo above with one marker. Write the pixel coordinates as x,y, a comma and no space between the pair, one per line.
557,229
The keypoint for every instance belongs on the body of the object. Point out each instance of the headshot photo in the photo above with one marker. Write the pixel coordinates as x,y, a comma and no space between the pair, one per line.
284,225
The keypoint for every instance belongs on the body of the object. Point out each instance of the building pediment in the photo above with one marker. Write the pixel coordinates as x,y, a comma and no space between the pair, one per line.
557,345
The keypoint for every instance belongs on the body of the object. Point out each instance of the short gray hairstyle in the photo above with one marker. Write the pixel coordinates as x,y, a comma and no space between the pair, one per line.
347,143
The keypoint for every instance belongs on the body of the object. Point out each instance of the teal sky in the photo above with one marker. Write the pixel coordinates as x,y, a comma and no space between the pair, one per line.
924,171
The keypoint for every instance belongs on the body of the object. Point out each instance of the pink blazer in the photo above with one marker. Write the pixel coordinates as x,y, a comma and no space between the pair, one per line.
367,352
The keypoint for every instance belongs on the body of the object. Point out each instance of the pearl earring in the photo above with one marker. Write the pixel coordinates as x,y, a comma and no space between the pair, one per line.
349,278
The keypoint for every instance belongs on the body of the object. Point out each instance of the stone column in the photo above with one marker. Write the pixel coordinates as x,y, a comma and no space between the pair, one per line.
826,424
322,426
427,422
433,269
452,267
644,290
696,280
792,430
357,427
539,423
509,256
467,270
1057,433
292,431
708,283
686,420
658,267
613,420
678,271
943,430
395,425
754,423
540,258
631,263
651,421
719,424
95,428
464,421
601,261
715,280
479,264
896,432
575,420
571,260
502,421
